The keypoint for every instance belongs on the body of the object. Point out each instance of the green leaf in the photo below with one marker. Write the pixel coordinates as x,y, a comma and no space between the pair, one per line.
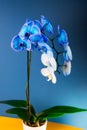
20,112
49,115
16,103
63,109
57,111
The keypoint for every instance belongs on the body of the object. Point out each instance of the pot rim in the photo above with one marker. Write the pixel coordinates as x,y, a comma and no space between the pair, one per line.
45,123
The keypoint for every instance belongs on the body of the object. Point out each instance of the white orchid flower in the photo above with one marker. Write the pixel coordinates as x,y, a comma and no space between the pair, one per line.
66,68
51,66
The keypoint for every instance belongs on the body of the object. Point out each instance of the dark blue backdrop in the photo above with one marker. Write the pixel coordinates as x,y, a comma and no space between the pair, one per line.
72,16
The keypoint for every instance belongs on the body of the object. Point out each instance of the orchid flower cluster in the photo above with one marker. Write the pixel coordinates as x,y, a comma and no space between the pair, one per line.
36,35
33,34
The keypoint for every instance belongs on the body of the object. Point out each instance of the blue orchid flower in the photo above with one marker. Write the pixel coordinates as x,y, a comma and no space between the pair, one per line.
30,33
19,45
62,37
29,29
46,25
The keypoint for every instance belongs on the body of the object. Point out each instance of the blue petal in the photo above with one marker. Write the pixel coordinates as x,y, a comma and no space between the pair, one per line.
62,37
37,22
46,25
35,30
32,28
19,45
30,24
58,30
44,38
35,38
24,31
28,20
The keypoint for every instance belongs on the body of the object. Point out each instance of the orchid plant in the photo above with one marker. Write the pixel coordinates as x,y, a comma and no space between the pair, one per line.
39,35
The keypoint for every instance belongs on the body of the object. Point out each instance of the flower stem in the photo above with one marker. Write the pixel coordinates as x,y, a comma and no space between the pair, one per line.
28,83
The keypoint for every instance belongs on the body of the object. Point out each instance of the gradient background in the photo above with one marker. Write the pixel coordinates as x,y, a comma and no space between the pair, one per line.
72,16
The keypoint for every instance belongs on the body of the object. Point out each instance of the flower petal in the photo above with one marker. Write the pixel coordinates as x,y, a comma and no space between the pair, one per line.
49,61
46,24
44,59
49,73
19,45
62,37
35,30
45,72
53,63
66,68
54,79
45,48
68,53
37,22
35,38
24,31
44,38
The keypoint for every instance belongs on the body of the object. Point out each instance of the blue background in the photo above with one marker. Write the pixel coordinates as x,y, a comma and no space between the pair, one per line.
72,90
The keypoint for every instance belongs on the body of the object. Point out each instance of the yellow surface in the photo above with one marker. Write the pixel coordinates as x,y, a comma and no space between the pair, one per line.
7,123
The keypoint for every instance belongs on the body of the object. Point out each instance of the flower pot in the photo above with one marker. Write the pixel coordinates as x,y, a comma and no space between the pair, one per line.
42,127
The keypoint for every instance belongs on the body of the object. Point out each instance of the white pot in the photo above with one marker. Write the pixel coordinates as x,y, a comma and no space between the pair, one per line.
42,127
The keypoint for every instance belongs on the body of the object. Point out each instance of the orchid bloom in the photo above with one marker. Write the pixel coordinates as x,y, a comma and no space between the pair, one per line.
62,37
66,68
51,66
29,34
33,35
46,25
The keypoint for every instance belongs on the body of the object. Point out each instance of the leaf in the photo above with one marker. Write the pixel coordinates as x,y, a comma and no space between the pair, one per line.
20,112
63,109
16,103
49,115
19,104
57,111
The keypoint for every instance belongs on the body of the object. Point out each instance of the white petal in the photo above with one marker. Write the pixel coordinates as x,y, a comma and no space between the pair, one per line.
44,59
45,71
51,75
54,79
53,63
66,68
50,53
49,60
